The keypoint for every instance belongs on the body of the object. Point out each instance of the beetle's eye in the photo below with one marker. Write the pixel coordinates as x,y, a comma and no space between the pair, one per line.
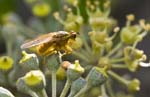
73,35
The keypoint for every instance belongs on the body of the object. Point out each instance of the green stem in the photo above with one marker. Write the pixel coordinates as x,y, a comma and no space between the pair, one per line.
66,88
33,94
136,42
80,56
119,66
114,49
61,10
60,56
113,36
54,83
82,91
109,88
128,23
42,93
85,43
117,60
104,94
6,80
9,48
117,77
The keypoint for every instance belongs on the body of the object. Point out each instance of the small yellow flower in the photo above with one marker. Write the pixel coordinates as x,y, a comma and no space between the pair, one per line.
77,67
74,71
134,85
6,63
26,56
76,44
61,73
33,77
41,10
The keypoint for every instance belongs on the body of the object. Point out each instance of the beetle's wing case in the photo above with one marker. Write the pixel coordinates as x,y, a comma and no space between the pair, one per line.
39,40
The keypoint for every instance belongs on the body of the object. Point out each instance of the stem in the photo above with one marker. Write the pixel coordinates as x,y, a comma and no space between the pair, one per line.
66,88
80,56
54,83
103,91
119,66
128,23
85,43
33,94
61,11
9,48
117,77
114,49
136,42
113,36
6,80
109,88
60,56
42,93
117,60
82,91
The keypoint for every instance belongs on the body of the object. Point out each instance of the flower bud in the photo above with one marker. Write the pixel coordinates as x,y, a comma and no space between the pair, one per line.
77,85
109,45
104,62
145,26
130,35
133,57
130,17
9,32
6,63
134,85
29,61
107,4
73,22
101,37
21,86
95,92
76,44
5,93
61,73
74,71
41,9
133,66
139,54
99,20
35,80
96,77
71,25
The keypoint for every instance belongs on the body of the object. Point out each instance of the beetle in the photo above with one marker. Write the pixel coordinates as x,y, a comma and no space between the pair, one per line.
52,42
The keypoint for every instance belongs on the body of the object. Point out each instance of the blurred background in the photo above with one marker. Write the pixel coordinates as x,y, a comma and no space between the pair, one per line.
120,8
